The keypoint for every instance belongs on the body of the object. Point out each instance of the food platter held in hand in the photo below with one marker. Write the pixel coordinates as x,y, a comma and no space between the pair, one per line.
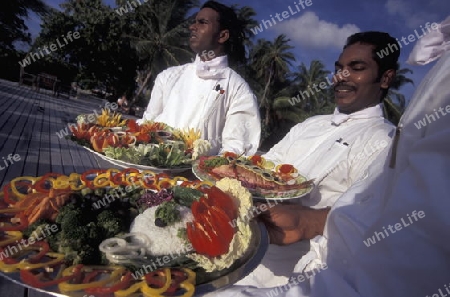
261,177
113,232
147,146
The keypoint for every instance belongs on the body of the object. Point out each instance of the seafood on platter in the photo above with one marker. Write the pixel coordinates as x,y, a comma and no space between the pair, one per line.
256,174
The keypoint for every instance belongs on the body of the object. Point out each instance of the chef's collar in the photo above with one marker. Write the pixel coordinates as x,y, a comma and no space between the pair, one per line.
432,45
367,113
214,68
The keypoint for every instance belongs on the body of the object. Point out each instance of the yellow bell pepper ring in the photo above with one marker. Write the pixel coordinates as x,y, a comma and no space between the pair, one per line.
57,258
132,289
75,182
102,180
21,180
11,236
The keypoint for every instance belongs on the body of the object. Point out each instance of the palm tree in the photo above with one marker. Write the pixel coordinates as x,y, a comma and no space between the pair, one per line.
246,16
160,36
394,102
309,80
271,61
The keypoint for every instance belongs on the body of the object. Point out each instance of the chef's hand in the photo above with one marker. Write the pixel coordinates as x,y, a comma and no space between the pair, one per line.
289,223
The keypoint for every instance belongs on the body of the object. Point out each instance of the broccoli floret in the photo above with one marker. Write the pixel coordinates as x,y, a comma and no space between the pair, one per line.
166,214
88,255
110,224
66,209
35,227
54,241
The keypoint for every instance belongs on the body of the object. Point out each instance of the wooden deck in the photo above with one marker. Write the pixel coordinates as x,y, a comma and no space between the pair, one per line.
29,126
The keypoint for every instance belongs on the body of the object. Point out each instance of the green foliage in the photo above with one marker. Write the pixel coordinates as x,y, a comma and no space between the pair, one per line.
101,54
12,24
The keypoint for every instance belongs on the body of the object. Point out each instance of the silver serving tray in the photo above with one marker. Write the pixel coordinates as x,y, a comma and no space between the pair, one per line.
123,164
222,279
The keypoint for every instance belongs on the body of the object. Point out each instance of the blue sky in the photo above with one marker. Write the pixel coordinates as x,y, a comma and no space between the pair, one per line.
319,31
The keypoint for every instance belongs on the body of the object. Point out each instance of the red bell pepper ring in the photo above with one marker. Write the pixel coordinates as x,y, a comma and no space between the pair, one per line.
44,249
16,227
41,245
121,284
90,276
125,175
43,279
44,184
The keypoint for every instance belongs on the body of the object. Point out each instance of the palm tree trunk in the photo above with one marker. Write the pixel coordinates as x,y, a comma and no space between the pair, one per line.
141,89
264,100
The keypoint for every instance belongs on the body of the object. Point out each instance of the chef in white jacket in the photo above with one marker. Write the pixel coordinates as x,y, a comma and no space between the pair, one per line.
335,150
389,234
207,94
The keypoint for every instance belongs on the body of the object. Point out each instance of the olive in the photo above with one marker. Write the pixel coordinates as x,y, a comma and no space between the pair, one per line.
160,223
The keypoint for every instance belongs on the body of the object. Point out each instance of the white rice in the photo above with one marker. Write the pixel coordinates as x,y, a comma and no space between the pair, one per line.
163,240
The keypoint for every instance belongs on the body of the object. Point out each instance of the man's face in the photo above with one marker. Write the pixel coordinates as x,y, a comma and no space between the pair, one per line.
205,31
358,87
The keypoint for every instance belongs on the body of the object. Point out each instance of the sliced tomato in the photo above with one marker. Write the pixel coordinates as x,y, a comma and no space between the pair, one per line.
230,154
256,160
286,168
220,199
211,232
198,237
97,143
112,140
132,126
222,224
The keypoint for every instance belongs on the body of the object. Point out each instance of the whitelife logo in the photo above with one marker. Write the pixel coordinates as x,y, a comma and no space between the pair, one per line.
40,53
430,117
411,38
281,16
378,236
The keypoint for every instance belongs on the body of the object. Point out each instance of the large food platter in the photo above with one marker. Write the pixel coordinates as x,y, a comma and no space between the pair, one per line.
219,280
259,193
123,164
147,146
206,282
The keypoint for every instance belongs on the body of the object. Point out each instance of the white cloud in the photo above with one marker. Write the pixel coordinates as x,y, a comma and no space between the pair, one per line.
408,13
308,31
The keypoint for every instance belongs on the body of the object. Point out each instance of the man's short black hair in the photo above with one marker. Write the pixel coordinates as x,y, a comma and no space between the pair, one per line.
228,20
386,49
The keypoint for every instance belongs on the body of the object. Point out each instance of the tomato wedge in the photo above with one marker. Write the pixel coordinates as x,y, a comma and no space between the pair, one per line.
220,199
212,231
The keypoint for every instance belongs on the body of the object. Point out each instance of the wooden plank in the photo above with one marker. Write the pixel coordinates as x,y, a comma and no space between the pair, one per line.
8,288
19,130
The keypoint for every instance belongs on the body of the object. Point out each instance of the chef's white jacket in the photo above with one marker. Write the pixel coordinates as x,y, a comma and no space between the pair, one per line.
211,97
334,150
413,260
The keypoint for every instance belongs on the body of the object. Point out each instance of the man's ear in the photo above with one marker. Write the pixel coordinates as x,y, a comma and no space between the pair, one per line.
387,78
224,35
